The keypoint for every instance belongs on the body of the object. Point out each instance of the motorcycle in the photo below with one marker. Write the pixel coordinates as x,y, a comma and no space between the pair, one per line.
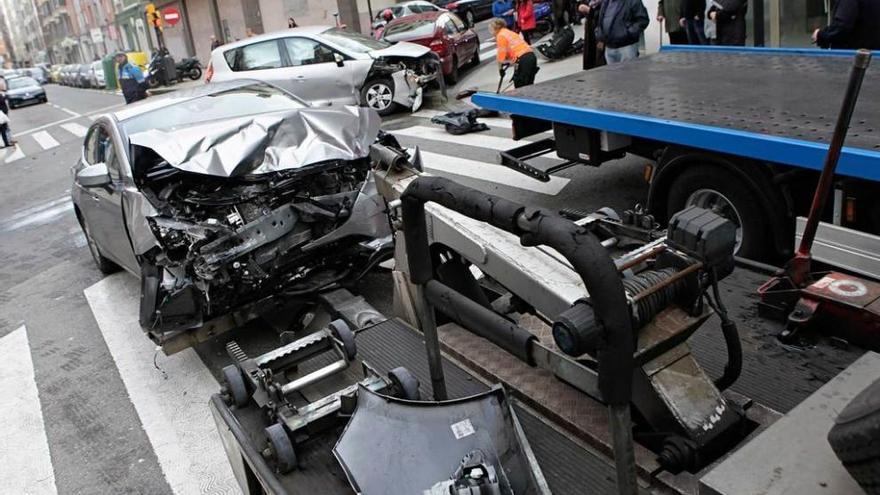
189,67
543,19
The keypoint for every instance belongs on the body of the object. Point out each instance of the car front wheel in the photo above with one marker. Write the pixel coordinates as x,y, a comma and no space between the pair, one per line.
104,265
378,94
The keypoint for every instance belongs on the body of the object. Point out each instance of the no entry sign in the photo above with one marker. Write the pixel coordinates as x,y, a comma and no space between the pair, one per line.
171,15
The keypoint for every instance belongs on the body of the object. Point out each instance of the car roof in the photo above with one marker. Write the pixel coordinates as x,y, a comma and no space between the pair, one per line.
424,16
306,30
180,96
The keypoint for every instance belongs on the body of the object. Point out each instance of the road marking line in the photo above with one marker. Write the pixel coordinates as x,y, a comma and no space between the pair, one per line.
490,121
478,139
171,402
16,154
45,140
27,464
488,172
75,129
71,112
488,54
487,44
68,119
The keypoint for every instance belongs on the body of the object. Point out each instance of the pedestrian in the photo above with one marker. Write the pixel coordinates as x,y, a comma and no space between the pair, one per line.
855,24
525,19
131,79
692,20
291,23
668,12
730,21
214,43
503,9
593,55
5,131
620,26
560,8
513,49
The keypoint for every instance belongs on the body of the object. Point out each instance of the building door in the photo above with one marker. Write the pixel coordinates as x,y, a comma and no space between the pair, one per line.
253,20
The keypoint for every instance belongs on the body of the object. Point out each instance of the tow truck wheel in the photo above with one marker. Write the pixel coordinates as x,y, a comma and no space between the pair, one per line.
281,448
406,385
346,336
235,385
854,438
716,189
378,94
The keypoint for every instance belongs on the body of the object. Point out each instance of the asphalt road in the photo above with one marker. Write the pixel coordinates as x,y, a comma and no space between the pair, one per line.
93,435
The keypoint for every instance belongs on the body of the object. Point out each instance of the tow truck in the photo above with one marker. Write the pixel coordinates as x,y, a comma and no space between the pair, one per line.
742,131
586,322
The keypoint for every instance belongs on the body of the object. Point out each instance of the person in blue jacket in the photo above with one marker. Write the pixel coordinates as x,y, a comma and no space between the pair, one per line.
503,9
131,79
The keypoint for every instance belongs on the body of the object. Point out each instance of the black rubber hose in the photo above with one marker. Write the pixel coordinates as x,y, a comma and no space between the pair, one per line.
535,226
733,368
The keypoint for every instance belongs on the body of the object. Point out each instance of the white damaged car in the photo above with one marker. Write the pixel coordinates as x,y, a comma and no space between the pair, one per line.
327,65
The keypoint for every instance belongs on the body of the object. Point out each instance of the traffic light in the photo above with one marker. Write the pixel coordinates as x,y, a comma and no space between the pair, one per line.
154,16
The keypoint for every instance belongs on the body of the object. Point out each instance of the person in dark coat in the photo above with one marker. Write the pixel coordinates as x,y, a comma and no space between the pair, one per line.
855,24
692,20
560,9
730,21
594,56
620,26
668,12
131,79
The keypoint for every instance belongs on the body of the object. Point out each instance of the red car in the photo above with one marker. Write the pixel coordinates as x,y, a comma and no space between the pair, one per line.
444,33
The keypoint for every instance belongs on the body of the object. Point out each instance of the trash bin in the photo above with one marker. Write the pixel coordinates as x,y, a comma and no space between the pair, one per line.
109,67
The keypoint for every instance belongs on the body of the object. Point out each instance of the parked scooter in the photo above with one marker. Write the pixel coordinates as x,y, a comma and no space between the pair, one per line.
189,67
158,73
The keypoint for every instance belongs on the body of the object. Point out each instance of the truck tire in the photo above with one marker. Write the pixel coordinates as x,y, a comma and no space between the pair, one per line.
717,189
855,438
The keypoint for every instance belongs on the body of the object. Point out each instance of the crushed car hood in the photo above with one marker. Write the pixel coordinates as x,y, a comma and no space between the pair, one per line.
266,143
401,49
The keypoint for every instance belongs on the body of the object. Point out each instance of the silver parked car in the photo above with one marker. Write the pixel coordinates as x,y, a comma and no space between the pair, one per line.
331,66
225,197
402,10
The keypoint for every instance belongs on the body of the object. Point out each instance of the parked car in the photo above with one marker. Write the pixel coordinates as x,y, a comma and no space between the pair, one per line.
471,11
96,74
37,74
83,76
22,90
329,65
166,189
55,74
402,10
444,33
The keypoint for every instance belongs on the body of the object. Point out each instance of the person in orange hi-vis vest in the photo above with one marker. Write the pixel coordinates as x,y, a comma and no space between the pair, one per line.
513,49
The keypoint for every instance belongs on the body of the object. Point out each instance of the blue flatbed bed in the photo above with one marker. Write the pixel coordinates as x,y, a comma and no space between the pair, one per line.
772,105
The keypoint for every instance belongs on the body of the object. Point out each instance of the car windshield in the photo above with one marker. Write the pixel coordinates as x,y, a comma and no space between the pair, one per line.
353,42
21,82
408,30
232,103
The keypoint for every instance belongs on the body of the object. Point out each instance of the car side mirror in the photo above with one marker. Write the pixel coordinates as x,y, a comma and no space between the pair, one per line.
95,175
338,59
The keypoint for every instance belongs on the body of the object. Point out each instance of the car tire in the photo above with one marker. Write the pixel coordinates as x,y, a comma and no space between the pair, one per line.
854,438
475,60
378,94
469,18
452,77
717,189
104,264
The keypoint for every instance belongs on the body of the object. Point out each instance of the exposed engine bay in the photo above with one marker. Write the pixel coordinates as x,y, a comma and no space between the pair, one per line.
227,242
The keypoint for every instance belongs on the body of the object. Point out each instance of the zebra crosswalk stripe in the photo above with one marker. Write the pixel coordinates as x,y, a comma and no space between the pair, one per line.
75,129
24,448
45,140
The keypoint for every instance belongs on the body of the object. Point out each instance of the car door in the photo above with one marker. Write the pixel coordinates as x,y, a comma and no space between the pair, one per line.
467,40
454,36
263,61
104,212
316,75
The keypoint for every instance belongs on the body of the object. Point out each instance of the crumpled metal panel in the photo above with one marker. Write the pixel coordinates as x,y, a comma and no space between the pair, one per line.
398,446
260,144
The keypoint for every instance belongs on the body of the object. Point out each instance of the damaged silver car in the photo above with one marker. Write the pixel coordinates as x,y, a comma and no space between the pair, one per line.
327,65
222,198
